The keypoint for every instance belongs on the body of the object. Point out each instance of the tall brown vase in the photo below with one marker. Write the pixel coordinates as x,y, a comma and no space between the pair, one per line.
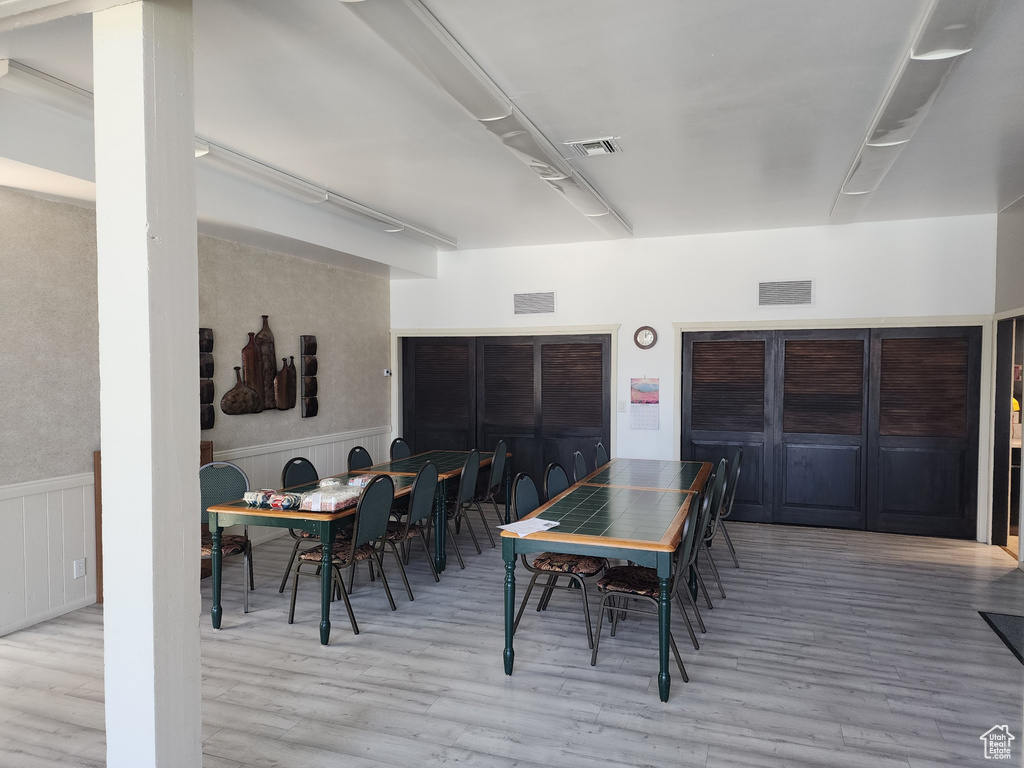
281,386
292,382
268,361
252,369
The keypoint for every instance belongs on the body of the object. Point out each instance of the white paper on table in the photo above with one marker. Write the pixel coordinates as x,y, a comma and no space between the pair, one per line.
526,527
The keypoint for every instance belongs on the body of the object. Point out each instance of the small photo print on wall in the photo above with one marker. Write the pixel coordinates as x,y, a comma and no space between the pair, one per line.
644,396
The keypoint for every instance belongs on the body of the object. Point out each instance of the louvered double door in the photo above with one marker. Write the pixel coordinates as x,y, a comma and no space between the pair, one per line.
866,429
546,396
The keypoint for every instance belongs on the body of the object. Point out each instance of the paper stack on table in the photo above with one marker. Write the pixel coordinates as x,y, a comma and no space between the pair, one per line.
526,527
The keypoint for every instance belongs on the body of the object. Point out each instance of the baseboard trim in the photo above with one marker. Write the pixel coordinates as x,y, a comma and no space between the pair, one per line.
53,613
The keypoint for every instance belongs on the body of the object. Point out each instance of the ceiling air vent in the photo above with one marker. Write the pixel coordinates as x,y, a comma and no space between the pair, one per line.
591,147
534,303
785,293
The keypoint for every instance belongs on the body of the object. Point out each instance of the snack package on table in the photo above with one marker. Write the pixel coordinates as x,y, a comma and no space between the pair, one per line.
330,499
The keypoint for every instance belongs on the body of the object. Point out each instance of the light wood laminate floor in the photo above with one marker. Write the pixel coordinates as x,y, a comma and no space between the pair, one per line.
833,648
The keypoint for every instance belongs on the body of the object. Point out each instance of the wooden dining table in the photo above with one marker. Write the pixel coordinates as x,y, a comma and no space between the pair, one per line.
630,509
449,466
326,525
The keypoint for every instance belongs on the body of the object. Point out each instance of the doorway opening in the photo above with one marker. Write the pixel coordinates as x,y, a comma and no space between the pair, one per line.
1007,434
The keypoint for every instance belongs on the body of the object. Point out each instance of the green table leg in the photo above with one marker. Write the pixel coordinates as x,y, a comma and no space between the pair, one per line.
216,613
509,555
440,529
664,616
326,571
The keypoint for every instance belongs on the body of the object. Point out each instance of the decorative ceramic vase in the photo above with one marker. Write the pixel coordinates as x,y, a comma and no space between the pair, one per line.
268,360
281,386
241,398
252,369
292,382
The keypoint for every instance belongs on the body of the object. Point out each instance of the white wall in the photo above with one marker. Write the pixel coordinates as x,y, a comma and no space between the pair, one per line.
880,273
1010,259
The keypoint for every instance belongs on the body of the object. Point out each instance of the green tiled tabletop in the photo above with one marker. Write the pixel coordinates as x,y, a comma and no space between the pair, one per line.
446,462
651,473
617,513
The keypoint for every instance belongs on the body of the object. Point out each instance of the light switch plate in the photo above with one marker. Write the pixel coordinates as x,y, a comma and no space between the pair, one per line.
622,406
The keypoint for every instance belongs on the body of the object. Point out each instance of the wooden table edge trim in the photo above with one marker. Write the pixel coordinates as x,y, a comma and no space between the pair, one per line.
665,544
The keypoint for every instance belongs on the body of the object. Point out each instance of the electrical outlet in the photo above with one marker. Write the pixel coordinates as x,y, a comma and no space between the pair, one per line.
80,568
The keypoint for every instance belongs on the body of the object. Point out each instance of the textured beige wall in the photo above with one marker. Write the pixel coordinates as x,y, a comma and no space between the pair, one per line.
49,360
348,312
1010,259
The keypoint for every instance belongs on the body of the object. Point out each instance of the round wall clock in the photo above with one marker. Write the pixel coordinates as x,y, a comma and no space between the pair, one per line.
645,337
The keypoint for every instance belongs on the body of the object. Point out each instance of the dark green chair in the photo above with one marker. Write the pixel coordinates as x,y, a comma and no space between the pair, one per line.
359,458
600,455
730,497
369,527
555,480
416,520
465,500
495,479
579,467
553,565
624,583
297,471
400,449
219,482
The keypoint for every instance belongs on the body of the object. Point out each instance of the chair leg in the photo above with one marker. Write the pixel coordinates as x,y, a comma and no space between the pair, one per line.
340,585
288,568
597,637
679,661
483,522
463,516
586,611
696,610
384,578
426,551
295,585
728,542
455,544
545,597
714,568
704,589
689,626
526,599
252,583
401,570
246,576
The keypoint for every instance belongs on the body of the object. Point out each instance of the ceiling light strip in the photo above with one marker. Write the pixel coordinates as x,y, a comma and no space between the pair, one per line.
946,32
415,33
24,80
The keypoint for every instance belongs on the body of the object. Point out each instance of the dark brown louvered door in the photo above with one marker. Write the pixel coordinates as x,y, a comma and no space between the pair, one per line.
505,401
822,410
923,467
575,398
439,394
726,391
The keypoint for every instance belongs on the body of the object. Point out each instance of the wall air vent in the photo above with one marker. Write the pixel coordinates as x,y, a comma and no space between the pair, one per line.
785,293
534,303
591,147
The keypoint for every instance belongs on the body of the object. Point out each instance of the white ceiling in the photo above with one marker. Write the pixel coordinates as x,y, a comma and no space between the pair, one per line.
731,114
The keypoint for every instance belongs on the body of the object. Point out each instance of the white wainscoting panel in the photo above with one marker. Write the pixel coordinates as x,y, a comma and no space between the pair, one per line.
46,525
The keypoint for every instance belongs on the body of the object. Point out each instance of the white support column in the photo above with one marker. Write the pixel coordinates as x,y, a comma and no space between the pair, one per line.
149,415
